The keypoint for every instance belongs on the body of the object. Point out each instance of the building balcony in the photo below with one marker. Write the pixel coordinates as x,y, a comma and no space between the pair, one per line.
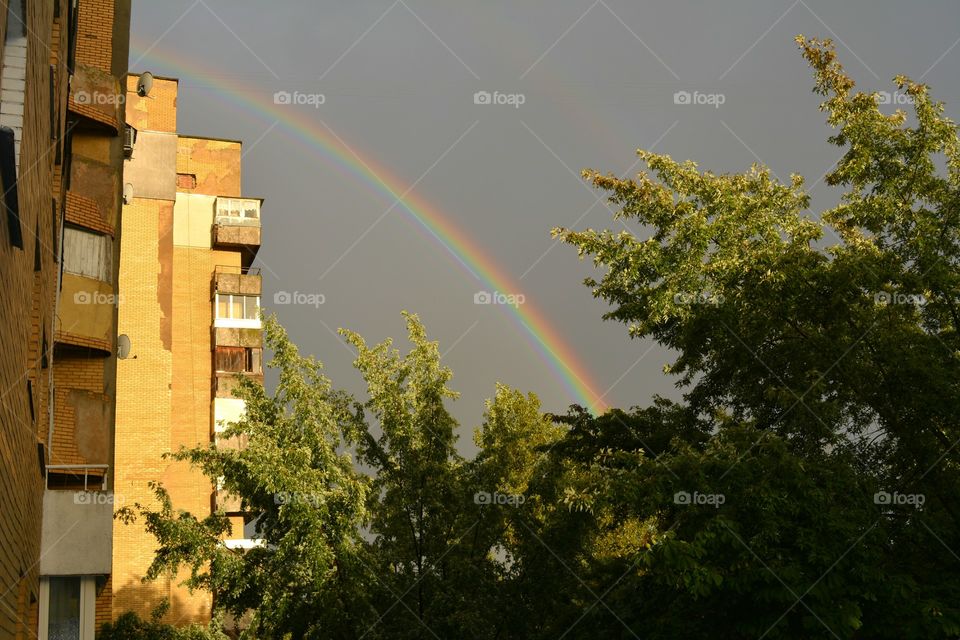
225,382
96,96
239,280
236,306
236,225
87,311
224,500
77,532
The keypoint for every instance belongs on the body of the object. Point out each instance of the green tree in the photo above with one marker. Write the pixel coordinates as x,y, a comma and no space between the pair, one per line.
803,487
823,354
296,475
130,626
391,543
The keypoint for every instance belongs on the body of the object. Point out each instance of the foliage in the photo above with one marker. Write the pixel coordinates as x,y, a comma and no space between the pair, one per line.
129,626
832,342
803,487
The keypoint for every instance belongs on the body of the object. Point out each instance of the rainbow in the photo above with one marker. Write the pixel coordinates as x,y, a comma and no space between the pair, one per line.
439,227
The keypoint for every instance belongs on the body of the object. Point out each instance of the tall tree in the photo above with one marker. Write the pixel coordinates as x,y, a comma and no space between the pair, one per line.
831,343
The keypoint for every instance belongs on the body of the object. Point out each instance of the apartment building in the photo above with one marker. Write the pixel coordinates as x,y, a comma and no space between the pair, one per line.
190,311
61,156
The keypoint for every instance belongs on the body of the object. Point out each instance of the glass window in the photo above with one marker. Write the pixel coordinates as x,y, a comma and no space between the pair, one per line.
250,209
251,307
238,307
223,306
64,617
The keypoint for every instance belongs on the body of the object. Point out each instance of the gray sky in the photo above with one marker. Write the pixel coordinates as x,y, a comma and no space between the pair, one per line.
597,81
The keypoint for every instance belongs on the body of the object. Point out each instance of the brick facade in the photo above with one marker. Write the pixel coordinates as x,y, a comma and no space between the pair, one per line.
30,319
165,397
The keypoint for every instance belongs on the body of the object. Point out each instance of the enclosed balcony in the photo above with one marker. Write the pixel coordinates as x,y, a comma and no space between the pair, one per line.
77,532
236,302
236,225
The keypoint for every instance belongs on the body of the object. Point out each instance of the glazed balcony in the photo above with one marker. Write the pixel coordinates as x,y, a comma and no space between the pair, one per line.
236,306
236,225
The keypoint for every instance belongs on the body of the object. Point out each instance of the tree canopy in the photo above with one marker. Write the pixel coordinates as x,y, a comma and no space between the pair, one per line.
803,485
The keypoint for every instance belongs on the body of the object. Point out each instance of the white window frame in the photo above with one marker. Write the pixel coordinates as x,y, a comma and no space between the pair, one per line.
224,206
88,607
231,322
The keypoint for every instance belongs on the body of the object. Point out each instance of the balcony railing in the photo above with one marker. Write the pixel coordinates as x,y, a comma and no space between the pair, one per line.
242,271
69,469
243,212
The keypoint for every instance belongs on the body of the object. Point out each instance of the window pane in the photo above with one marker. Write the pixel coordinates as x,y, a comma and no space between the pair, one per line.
251,307
255,364
236,306
64,620
222,308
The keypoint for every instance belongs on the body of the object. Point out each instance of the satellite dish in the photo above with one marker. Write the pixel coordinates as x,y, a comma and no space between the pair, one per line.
144,84
123,346
128,193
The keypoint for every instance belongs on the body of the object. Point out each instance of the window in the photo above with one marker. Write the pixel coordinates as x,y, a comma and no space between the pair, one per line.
237,307
53,103
8,176
88,254
72,29
54,229
245,211
14,68
67,607
37,261
239,359
64,619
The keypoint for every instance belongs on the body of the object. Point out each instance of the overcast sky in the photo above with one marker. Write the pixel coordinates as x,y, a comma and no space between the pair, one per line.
596,81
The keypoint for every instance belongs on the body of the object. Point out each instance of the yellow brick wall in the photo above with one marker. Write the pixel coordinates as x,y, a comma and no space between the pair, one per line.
95,34
144,383
25,315
158,112
215,163
164,396
28,298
